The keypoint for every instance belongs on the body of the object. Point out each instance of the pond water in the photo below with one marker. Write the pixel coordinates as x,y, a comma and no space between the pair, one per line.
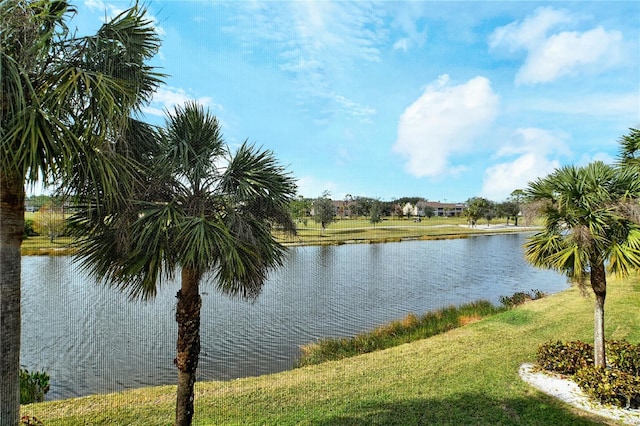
91,339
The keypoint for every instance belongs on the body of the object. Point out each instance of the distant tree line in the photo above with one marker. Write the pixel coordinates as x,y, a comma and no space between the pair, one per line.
324,210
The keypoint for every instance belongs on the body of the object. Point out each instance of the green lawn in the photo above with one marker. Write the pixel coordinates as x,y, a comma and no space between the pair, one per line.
41,246
362,230
465,376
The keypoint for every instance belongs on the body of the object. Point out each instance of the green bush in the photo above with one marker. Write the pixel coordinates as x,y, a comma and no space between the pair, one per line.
569,357
618,384
33,386
624,356
520,297
564,358
610,386
29,230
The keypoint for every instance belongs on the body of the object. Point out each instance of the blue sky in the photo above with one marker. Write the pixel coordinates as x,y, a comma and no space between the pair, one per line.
443,100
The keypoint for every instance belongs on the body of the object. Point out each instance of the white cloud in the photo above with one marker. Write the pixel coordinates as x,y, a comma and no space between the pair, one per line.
443,122
407,21
166,98
568,53
354,109
598,156
529,32
402,44
502,179
551,56
315,43
533,153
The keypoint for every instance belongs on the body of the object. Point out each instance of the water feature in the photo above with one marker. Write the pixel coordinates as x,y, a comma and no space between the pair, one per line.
91,339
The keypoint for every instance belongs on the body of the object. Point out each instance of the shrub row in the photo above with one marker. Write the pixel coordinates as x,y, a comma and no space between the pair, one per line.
564,358
617,384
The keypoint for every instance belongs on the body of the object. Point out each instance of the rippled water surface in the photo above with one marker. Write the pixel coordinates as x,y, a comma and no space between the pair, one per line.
92,339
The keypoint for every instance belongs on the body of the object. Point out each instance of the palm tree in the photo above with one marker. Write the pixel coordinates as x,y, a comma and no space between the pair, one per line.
586,229
630,149
64,102
205,212
629,158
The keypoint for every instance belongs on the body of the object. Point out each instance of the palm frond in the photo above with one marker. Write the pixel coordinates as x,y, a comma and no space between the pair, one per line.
254,173
192,143
630,149
624,256
243,271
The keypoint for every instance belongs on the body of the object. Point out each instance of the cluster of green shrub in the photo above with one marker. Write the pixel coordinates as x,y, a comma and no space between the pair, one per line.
618,384
29,228
520,297
408,329
33,386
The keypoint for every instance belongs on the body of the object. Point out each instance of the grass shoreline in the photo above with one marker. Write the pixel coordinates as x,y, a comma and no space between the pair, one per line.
350,231
468,375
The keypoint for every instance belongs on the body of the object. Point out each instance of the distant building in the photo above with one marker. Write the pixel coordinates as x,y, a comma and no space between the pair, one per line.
343,208
439,209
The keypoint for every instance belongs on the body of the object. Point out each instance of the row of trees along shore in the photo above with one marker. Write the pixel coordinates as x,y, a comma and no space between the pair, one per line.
325,211
151,201
147,201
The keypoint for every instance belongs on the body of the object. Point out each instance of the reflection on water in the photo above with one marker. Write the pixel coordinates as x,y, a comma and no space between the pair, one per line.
92,339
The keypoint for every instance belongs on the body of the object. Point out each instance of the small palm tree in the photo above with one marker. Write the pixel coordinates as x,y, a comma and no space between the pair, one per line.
205,213
64,102
586,228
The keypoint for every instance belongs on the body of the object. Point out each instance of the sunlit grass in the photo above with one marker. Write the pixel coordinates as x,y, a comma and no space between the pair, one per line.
390,230
465,376
42,246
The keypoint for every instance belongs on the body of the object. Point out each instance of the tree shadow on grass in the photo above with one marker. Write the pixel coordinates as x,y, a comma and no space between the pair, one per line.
466,409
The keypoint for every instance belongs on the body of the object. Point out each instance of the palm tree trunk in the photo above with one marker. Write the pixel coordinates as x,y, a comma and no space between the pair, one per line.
599,286
11,232
188,346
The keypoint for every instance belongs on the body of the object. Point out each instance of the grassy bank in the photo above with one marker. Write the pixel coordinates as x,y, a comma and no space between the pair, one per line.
465,376
409,329
391,230
341,232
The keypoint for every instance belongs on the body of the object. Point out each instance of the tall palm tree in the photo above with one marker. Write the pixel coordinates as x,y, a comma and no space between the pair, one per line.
206,213
586,228
64,101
